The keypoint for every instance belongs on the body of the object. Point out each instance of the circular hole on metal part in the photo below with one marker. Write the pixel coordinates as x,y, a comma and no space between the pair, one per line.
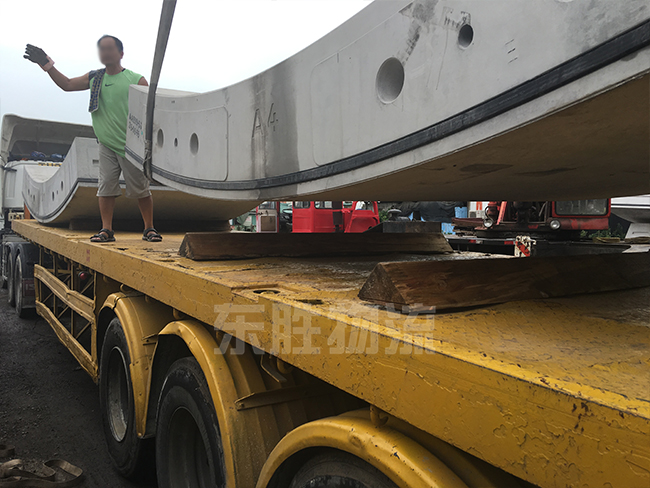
52,195
175,142
194,144
62,185
161,138
465,36
390,80
266,292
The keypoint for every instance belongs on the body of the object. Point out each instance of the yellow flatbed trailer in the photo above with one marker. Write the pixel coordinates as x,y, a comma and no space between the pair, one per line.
555,392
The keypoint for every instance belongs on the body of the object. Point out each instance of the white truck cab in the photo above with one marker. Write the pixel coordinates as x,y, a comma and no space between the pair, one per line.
37,148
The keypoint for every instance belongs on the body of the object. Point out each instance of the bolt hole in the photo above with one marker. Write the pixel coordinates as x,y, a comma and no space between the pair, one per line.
194,144
266,292
62,185
390,80
175,142
161,138
465,36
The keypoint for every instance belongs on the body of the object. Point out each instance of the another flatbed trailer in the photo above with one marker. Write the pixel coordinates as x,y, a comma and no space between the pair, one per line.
539,247
301,375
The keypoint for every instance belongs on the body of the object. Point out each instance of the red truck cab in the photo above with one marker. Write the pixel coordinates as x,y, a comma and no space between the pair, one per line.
330,217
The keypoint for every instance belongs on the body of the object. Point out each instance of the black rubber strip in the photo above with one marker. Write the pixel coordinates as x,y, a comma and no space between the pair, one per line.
66,201
58,210
597,58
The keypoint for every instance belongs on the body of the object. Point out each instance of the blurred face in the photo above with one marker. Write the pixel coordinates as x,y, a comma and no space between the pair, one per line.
109,52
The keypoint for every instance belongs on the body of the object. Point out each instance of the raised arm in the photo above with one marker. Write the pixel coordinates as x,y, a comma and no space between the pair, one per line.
38,56
79,83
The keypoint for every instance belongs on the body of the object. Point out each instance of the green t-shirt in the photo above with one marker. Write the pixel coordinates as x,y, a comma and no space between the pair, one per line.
110,119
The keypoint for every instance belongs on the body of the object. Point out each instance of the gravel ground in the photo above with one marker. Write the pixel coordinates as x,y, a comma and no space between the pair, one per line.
49,406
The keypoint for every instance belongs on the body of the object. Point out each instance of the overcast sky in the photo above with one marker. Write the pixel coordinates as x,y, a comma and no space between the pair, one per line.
213,43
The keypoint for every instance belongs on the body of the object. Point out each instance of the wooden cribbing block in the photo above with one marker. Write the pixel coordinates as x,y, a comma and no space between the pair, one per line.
222,246
438,285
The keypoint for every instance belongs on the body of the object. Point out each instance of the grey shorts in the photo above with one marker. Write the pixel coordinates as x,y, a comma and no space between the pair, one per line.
111,165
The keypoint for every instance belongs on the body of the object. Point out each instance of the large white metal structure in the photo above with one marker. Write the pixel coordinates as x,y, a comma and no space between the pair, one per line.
70,194
58,193
425,100
636,210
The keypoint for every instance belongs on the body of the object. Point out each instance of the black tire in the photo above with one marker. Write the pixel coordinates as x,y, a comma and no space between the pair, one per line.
11,289
19,298
5,259
188,441
133,458
339,470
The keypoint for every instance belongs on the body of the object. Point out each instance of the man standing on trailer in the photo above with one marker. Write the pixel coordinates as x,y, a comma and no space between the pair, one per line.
109,106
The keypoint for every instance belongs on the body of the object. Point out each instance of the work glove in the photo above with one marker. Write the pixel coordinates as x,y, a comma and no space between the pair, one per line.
38,56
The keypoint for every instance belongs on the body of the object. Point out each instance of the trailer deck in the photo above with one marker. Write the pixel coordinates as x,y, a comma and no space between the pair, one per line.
553,391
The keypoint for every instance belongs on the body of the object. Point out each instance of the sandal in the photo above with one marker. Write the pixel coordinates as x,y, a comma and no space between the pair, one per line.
151,235
104,235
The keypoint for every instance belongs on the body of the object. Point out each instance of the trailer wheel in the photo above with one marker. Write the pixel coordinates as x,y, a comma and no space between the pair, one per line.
132,457
11,291
18,289
188,441
339,470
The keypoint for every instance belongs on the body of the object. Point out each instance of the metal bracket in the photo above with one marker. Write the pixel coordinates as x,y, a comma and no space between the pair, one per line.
274,397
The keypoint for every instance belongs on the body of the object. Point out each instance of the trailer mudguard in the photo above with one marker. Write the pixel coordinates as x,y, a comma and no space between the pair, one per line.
404,461
248,435
142,319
